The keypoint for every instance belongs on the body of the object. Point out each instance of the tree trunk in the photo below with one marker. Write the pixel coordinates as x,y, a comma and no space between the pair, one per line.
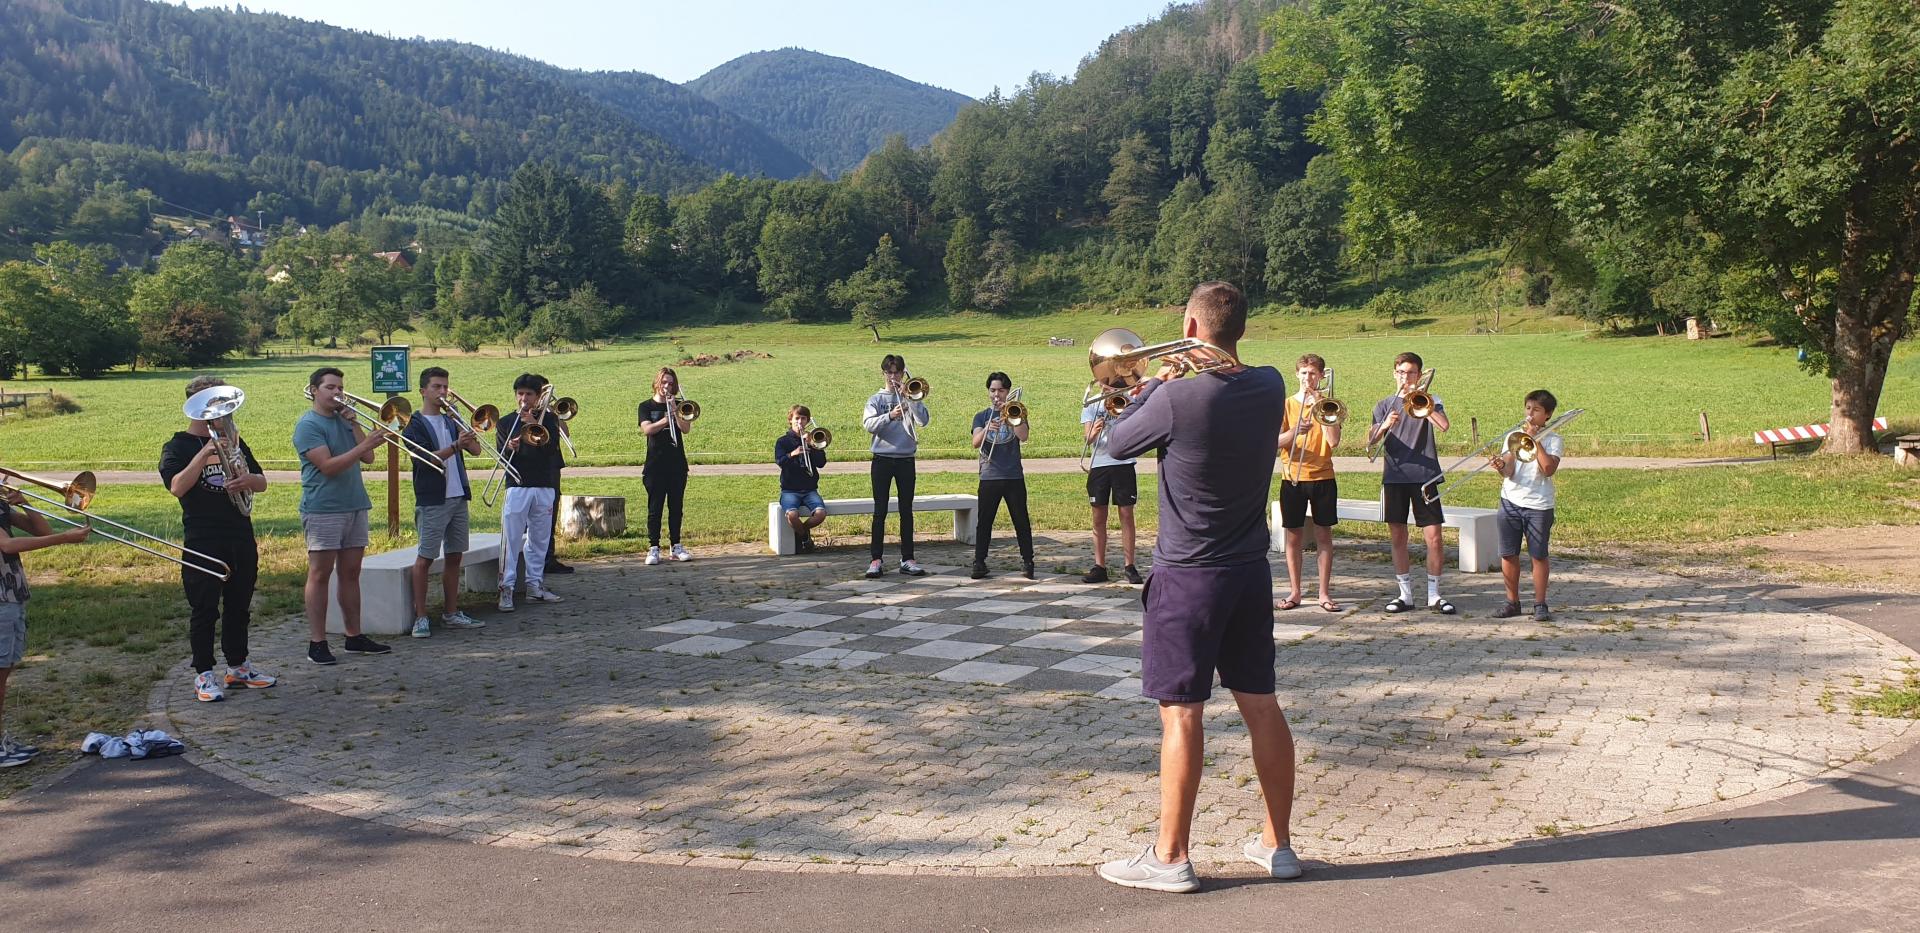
1861,352
876,332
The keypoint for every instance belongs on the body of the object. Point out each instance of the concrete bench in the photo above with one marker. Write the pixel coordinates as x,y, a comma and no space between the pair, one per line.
1479,533
780,537
386,585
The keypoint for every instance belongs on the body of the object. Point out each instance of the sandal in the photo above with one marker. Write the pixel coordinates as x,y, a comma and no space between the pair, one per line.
1398,605
1443,607
1286,604
1328,605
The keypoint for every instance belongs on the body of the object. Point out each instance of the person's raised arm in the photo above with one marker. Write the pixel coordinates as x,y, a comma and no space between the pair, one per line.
1145,424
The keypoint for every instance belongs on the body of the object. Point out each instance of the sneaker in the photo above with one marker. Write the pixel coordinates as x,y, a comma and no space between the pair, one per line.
319,653
1145,871
680,553
911,568
1507,611
1026,569
1540,613
803,541
1133,575
875,570
540,594
458,619
554,566
246,676
206,688
1097,575
421,629
361,644
653,555
13,754
1280,863
979,572
506,599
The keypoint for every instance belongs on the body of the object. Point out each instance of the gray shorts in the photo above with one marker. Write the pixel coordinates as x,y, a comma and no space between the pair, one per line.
442,526
13,634
334,531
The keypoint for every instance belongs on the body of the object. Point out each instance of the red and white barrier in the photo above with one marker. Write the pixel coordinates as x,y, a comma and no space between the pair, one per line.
1805,432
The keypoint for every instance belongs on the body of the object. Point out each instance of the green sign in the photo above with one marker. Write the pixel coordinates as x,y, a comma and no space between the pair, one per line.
390,369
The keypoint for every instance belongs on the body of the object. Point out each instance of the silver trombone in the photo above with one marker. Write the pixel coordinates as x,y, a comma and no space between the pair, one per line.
1514,442
77,494
392,416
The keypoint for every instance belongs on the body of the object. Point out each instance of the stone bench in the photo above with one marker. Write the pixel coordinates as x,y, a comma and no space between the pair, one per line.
386,585
1479,531
780,537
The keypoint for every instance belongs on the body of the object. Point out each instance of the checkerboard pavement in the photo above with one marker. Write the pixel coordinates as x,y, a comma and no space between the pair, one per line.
1050,633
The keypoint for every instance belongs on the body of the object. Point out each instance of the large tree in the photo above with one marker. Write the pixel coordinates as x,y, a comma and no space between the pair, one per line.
188,310
1780,138
553,234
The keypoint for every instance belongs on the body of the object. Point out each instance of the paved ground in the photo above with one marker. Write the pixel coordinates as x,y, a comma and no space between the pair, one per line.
130,846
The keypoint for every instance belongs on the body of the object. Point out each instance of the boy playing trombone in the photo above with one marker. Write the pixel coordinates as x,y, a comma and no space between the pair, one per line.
1526,505
440,499
1412,461
1308,484
13,596
800,464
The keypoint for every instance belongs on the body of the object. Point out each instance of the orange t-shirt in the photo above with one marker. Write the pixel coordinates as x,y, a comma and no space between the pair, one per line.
1316,455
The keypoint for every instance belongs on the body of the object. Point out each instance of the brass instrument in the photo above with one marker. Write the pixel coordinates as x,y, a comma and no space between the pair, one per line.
484,418
392,416
678,410
531,432
215,405
77,493
1415,402
1514,442
1119,359
816,438
1326,412
1011,413
912,389
564,410
1110,409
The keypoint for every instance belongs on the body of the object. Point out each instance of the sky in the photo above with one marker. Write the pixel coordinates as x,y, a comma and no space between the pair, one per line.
971,47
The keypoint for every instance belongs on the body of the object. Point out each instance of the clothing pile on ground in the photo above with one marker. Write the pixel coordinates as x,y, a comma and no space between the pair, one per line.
140,743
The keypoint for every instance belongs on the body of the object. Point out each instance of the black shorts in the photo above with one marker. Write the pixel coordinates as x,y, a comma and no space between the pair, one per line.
1118,484
1396,499
1320,496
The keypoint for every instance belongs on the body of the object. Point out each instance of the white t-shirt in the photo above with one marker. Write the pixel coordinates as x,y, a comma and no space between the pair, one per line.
1089,415
1528,489
443,431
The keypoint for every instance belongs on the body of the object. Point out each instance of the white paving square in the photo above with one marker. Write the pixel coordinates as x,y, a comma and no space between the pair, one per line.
842,658
898,613
786,605
955,650
880,599
1293,632
1062,641
995,606
1026,623
922,630
862,586
1100,664
704,644
985,672
1129,616
692,627
798,619
813,639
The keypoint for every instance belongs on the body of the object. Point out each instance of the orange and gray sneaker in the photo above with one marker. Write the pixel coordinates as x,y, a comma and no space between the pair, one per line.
206,687
246,676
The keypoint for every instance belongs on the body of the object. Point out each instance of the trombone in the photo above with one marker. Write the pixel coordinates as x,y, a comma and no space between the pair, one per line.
1325,412
816,438
564,409
1514,442
912,389
1110,410
76,494
1119,359
392,417
678,410
1012,413
484,418
1416,402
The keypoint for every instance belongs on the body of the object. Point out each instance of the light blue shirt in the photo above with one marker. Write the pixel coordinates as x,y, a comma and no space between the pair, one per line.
319,493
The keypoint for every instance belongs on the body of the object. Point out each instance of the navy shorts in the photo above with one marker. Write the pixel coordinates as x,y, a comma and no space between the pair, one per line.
1199,620
1535,524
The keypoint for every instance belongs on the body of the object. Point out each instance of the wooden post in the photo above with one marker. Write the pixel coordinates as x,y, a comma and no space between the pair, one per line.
1706,430
393,487
1474,422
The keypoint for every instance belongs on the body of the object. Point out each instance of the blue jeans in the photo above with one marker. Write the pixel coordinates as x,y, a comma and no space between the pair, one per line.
806,503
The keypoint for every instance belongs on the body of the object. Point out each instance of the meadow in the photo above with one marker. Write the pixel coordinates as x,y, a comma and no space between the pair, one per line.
1644,395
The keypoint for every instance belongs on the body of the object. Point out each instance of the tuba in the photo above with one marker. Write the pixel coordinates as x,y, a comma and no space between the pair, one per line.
215,405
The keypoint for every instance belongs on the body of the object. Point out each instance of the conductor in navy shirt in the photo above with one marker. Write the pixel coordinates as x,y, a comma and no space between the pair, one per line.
1209,598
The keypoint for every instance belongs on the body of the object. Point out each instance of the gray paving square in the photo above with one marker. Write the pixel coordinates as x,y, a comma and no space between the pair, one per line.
899,613
703,644
799,619
955,650
1100,664
1063,641
815,639
1025,623
921,630
1064,681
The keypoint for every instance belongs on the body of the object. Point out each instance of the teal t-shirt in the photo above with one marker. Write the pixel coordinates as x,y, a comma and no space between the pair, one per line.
342,492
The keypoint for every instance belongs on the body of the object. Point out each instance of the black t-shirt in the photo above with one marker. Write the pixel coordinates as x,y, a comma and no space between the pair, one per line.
537,466
663,455
206,511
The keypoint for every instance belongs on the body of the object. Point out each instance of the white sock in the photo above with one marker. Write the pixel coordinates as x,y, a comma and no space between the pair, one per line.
1433,589
1406,586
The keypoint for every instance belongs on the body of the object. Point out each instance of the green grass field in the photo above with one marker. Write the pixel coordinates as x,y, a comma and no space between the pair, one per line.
1643,394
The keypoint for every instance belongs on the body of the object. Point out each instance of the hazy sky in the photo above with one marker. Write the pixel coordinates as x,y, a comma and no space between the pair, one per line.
970,47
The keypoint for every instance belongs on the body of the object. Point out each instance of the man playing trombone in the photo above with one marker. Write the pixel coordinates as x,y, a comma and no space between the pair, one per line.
890,417
440,500
14,513
333,509
1412,460
195,471
1308,485
530,440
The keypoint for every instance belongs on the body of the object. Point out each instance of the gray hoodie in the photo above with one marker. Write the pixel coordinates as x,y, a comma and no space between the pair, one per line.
890,437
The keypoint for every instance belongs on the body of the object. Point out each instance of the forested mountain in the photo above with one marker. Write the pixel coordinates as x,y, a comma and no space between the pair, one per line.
300,106
830,110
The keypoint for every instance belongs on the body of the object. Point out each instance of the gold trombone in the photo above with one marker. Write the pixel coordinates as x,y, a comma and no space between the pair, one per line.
1012,413
678,410
1325,412
1514,442
912,389
1415,402
78,493
816,438
484,418
1110,409
1119,359
392,417
564,409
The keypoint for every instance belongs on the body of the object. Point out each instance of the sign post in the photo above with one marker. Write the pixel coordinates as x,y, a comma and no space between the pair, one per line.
390,376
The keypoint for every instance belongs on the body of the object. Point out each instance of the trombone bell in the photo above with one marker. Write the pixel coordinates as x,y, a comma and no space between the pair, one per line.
819,438
1014,414
687,410
1330,412
565,408
916,389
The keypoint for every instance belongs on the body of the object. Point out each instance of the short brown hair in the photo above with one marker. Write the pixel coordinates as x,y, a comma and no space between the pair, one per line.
313,381
800,410
1409,357
1313,360
1220,309
202,383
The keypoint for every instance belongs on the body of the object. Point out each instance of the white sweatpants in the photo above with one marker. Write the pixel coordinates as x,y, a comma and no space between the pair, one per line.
526,527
